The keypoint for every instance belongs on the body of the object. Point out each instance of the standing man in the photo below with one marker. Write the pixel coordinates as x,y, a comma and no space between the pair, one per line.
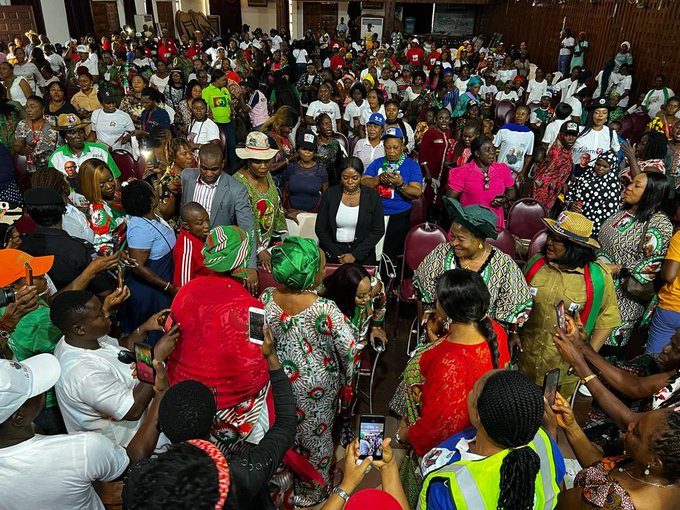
224,199
218,98
566,49
657,97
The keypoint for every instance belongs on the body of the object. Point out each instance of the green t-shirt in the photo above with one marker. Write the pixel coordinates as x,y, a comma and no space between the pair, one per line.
219,102
35,334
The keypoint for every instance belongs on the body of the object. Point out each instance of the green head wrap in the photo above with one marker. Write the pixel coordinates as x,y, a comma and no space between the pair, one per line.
227,249
296,262
479,220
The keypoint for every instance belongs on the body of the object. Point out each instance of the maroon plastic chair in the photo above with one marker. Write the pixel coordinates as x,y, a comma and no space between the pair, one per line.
537,243
502,109
504,242
524,218
126,164
419,242
343,141
140,167
418,211
223,140
21,175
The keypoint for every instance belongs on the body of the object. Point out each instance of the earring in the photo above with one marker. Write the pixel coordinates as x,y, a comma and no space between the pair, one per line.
481,245
647,470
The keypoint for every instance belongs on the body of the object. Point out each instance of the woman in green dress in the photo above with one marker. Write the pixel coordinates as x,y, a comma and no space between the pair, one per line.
264,197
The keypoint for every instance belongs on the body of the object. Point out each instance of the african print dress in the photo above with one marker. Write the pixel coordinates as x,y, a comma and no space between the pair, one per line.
620,237
267,211
317,351
510,295
551,176
108,222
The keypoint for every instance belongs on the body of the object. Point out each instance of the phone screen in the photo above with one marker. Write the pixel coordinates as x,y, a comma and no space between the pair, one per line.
144,358
29,274
256,325
371,436
561,317
167,321
550,381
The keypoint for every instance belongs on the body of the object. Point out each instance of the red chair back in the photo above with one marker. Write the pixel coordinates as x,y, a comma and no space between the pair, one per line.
21,175
125,162
223,140
524,218
537,243
140,167
418,211
503,108
420,241
504,242
343,141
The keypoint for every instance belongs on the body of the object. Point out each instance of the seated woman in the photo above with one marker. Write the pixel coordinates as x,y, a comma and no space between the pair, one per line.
440,374
316,342
513,462
483,181
305,179
350,221
35,137
646,476
468,249
329,150
150,242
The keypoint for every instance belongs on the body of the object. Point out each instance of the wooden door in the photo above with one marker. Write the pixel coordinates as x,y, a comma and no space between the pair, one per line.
104,17
165,17
320,16
16,20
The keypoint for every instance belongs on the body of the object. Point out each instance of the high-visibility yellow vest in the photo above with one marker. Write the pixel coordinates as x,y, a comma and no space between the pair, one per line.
475,484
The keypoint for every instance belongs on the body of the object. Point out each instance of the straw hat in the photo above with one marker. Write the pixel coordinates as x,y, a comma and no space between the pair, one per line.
574,227
257,147
69,121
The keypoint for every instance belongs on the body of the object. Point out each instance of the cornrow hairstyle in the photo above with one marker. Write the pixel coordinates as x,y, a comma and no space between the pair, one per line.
667,447
183,477
510,408
51,178
188,409
465,298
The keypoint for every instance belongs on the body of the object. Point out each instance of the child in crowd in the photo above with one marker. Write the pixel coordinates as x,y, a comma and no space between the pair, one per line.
187,254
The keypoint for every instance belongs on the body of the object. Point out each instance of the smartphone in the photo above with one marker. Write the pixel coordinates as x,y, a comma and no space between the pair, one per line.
561,316
28,274
371,436
550,380
144,358
256,325
167,321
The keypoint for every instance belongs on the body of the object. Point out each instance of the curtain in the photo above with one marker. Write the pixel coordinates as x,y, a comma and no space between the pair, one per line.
37,14
79,15
229,12
130,11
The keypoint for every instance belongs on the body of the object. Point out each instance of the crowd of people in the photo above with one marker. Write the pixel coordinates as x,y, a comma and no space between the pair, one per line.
154,194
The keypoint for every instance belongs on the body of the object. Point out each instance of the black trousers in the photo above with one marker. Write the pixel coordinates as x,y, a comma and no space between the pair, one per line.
397,228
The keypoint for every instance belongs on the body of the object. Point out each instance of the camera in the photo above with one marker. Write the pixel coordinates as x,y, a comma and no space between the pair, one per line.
7,296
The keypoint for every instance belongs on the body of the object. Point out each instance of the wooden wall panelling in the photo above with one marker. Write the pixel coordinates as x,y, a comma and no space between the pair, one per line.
15,20
654,33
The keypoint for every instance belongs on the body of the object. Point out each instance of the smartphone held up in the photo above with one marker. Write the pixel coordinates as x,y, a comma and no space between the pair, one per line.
256,325
371,436
144,358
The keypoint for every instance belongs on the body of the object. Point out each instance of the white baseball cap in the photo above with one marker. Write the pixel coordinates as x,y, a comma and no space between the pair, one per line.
20,381
82,49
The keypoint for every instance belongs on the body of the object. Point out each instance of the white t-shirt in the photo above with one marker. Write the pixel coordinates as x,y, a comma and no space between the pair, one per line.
552,130
367,153
300,56
111,126
203,132
276,42
57,472
594,143
91,63
488,89
56,62
567,41
510,96
352,111
95,390
366,113
576,106
514,147
622,84
390,86
536,90
75,223
656,99
316,108
461,85
160,83
409,95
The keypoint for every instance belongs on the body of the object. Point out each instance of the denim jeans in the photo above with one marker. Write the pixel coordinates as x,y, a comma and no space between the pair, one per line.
663,327
563,64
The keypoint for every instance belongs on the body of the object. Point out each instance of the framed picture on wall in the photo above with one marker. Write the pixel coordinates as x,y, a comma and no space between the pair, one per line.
257,3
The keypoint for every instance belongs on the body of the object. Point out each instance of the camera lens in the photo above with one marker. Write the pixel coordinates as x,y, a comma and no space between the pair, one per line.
7,296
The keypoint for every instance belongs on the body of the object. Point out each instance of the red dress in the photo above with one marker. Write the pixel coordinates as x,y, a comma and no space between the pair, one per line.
450,371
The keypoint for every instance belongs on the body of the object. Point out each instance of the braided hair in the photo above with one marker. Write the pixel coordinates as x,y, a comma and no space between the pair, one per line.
510,409
465,298
667,447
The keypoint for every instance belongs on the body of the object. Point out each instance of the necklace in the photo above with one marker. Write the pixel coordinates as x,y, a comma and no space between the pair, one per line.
344,191
487,179
483,257
660,485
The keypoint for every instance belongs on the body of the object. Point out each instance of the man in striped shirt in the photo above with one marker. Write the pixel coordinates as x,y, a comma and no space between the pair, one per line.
187,255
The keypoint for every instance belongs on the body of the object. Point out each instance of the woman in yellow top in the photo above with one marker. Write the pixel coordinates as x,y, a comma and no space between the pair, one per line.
85,101
666,319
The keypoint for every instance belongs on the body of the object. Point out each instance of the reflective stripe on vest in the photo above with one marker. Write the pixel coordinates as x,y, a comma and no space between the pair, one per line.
466,494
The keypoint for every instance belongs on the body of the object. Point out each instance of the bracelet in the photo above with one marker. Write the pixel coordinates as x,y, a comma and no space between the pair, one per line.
339,492
167,286
588,378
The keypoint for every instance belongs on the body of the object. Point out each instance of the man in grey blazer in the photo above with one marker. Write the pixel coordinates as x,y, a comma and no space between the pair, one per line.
223,197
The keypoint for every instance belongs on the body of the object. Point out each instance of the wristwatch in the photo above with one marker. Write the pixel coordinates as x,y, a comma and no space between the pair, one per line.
339,492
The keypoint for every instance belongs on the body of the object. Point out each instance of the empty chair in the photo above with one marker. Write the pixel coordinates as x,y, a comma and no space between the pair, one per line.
537,243
418,211
126,163
503,108
525,218
504,242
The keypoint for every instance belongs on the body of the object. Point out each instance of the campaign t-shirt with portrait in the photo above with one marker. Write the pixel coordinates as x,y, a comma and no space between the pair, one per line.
593,143
515,143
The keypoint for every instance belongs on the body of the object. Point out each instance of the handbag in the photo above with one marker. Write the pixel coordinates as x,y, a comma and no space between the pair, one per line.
642,292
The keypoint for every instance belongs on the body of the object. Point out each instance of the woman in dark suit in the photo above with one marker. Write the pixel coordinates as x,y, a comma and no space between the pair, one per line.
350,221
